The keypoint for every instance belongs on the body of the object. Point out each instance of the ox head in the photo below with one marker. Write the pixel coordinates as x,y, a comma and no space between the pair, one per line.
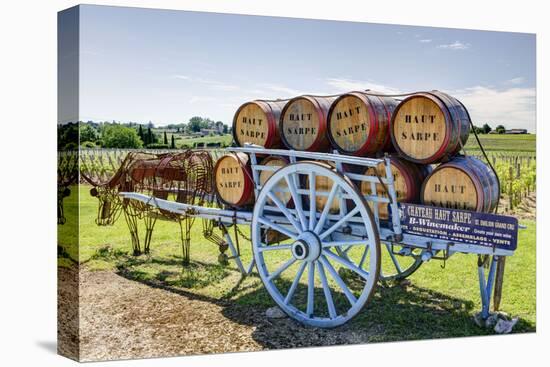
110,205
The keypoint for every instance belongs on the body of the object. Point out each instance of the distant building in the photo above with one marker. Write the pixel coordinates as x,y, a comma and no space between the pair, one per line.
206,132
516,131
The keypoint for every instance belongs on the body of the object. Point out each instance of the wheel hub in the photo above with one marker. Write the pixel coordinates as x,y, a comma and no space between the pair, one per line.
307,247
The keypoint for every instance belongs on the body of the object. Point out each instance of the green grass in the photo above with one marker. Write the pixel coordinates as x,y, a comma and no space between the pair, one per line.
438,303
181,141
503,143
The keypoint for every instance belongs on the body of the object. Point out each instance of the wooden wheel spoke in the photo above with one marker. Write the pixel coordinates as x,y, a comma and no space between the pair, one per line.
326,209
346,250
339,223
285,211
294,285
266,247
394,259
349,294
278,228
326,290
312,201
297,201
310,288
342,253
350,244
363,257
282,268
346,263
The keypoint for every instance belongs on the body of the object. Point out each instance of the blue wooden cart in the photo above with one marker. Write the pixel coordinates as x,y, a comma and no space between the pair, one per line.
328,266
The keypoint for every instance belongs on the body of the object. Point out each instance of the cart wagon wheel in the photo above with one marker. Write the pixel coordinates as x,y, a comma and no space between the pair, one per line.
396,266
324,245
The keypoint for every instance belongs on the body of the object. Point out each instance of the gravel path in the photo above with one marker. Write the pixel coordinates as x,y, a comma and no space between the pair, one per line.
121,319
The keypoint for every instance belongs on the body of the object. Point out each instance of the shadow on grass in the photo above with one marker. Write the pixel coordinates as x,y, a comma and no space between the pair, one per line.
393,313
159,281
195,275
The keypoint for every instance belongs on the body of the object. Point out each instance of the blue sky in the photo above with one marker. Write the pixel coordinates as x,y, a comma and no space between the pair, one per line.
167,66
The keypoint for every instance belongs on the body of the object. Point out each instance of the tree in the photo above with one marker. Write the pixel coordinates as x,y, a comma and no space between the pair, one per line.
140,133
88,133
145,138
173,143
118,136
67,136
486,129
150,137
165,138
195,123
500,129
225,129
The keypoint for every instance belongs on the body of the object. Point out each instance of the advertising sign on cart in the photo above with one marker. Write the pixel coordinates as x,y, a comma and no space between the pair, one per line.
462,226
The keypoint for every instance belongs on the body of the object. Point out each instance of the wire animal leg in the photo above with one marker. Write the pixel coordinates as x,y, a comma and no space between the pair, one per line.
60,212
131,220
149,226
185,236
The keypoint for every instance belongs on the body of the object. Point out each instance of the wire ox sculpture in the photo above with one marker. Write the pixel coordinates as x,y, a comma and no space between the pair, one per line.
67,175
185,177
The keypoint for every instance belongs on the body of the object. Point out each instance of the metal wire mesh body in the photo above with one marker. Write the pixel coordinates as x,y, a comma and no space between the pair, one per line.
67,175
184,177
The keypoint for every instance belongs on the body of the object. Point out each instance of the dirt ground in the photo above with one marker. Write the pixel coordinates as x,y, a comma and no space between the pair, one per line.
121,319
526,210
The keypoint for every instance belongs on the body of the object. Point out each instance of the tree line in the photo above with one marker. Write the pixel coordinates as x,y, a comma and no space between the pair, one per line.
486,129
131,135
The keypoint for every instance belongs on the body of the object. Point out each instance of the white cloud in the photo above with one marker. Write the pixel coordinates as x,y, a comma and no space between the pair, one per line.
425,41
515,81
512,107
347,85
456,45
213,84
286,91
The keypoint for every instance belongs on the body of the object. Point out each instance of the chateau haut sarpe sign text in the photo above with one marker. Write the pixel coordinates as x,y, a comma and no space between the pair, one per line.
231,171
299,130
251,123
346,115
461,226
420,136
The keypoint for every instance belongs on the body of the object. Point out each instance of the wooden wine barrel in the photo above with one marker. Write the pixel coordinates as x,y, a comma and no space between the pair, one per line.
276,161
233,179
359,123
408,178
429,127
462,183
303,123
257,122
